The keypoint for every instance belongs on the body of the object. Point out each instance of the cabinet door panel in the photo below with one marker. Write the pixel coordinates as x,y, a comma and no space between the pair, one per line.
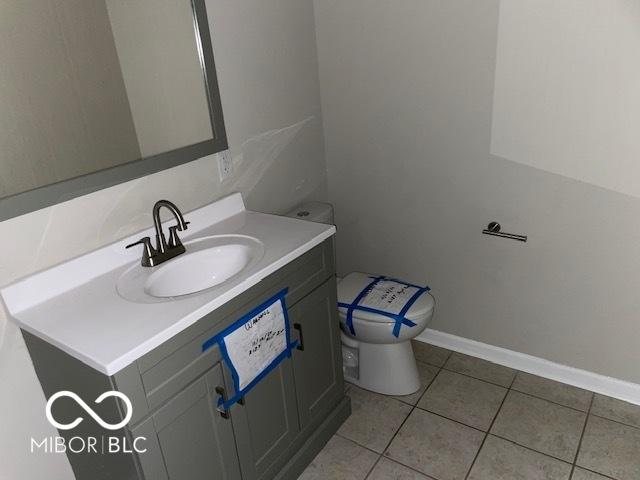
267,423
318,368
195,441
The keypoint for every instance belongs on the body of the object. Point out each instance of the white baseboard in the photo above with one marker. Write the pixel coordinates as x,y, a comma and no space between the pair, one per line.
612,387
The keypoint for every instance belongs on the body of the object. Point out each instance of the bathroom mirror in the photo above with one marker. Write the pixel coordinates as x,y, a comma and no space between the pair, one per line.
97,92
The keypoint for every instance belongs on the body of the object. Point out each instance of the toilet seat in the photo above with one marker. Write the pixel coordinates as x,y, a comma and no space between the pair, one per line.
381,332
353,284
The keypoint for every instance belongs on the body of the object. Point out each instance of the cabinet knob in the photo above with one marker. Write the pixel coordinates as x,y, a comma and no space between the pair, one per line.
300,345
224,413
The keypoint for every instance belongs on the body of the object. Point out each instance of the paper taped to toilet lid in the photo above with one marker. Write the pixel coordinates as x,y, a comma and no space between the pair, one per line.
388,296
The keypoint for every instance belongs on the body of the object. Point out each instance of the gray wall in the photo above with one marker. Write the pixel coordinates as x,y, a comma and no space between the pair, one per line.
265,55
408,105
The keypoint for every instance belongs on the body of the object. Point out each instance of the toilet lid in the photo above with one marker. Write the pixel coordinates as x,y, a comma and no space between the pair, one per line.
352,285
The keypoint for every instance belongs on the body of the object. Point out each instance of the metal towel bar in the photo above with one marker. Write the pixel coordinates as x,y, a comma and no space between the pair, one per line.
494,229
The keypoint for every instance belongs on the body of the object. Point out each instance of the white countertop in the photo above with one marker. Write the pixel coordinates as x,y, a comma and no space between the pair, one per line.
76,307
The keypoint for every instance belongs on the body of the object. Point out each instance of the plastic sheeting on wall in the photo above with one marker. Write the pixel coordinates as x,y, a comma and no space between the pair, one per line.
43,238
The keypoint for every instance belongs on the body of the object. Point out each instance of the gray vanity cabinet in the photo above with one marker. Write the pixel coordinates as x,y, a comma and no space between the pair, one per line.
317,364
267,423
304,388
276,430
187,438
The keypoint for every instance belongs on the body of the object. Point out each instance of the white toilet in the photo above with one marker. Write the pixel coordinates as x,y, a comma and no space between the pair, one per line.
373,357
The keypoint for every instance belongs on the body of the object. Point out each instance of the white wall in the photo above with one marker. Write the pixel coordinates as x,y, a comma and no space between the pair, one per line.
408,100
567,101
266,60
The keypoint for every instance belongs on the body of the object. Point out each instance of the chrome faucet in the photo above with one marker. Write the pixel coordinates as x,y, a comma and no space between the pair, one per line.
164,250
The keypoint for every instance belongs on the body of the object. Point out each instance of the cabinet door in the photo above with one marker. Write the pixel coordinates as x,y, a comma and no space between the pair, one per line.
193,442
266,423
317,364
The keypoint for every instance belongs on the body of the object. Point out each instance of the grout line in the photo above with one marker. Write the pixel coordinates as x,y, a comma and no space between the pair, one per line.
425,390
506,389
405,402
490,427
584,428
621,389
509,389
481,379
450,352
530,449
375,464
439,367
513,380
452,419
427,387
475,457
448,357
429,477
516,443
413,407
593,471
357,443
614,421
551,401
487,433
381,456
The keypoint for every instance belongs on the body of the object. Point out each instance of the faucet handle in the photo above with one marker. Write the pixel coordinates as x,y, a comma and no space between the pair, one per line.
174,240
146,241
147,252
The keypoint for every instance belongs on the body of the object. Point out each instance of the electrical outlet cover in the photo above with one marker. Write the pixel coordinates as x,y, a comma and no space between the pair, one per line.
225,165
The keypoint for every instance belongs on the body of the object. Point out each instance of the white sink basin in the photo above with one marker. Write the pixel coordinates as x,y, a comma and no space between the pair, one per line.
99,307
208,262
199,270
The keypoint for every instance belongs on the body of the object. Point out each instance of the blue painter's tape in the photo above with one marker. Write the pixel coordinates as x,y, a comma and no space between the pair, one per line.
218,339
241,393
351,307
399,318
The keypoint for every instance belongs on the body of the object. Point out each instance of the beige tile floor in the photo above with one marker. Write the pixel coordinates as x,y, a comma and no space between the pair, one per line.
475,420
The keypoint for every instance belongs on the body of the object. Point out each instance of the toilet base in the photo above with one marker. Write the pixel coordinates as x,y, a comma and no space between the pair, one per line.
389,369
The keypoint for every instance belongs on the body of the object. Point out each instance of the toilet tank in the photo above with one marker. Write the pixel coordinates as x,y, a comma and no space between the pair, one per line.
319,212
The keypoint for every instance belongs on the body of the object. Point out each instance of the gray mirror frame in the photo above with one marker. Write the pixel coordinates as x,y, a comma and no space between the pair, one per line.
36,199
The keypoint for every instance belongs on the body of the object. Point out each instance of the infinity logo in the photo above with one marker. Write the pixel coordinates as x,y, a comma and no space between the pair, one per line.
89,410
